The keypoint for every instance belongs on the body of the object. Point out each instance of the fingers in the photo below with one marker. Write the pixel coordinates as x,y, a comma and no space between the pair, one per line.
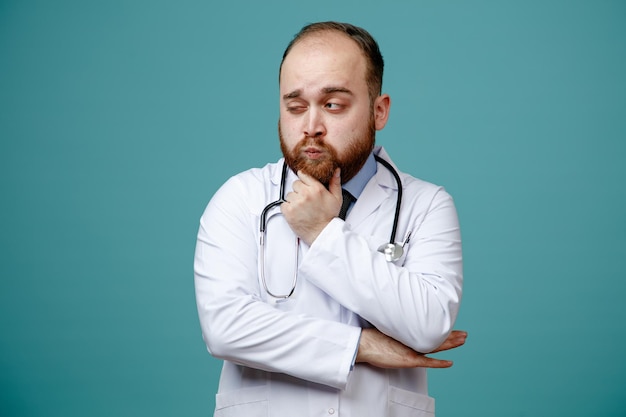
305,181
427,362
455,339
335,184
306,178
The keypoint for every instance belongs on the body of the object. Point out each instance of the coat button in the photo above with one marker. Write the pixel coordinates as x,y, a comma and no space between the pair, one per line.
331,411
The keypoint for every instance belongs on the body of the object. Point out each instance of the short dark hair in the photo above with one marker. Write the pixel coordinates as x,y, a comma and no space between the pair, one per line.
365,41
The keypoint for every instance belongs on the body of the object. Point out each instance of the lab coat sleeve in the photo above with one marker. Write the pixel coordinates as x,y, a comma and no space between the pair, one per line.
237,325
415,302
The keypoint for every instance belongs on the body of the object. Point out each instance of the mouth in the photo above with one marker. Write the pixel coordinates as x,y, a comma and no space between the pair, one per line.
313,153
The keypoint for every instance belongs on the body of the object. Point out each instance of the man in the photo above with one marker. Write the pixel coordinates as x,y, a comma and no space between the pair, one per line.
316,320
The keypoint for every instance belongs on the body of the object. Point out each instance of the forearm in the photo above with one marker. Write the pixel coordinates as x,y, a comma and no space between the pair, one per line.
238,326
416,302
254,334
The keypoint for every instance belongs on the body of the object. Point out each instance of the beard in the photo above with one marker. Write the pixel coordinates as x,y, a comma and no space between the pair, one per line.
323,168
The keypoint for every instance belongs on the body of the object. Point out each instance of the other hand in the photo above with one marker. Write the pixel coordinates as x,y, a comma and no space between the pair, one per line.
382,351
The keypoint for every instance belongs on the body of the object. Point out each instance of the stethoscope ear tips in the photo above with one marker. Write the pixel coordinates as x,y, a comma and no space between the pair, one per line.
392,251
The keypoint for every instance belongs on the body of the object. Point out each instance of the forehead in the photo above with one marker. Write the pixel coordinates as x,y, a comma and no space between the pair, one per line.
323,59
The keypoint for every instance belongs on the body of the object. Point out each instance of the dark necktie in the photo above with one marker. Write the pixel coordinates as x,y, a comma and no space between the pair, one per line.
345,204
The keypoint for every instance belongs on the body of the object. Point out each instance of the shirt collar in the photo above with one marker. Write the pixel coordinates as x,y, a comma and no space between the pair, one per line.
356,185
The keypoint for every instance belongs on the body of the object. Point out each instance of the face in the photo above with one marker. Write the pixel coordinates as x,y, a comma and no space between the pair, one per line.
327,119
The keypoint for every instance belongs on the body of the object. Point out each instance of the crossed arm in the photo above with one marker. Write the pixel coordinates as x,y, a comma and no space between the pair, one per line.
308,210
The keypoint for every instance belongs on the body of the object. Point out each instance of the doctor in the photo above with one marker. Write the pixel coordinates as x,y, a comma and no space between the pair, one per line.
317,321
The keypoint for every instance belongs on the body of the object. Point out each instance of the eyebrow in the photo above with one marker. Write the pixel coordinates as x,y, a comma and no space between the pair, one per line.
293,94
325,90
330,90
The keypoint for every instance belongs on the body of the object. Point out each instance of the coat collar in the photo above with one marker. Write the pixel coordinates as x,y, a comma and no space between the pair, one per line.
380,187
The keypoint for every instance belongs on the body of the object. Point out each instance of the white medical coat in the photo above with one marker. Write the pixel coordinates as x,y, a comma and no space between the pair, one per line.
294,358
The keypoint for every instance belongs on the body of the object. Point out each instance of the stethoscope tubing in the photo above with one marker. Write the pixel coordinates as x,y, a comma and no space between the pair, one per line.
396,215
281,199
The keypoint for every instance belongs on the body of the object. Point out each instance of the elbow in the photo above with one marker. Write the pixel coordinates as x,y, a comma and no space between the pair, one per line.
439,314
228,329
435,326
429,335
219,342
216,345
432,340
216,332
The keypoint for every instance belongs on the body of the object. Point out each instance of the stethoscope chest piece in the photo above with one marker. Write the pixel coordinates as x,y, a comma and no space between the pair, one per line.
392,251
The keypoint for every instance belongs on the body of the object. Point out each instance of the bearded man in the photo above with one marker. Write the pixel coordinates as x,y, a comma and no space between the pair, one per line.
299,290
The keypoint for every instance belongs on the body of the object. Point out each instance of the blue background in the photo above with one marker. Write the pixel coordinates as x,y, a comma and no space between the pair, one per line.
120,119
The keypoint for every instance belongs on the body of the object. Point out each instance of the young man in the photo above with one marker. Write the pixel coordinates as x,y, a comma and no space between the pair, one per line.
313,314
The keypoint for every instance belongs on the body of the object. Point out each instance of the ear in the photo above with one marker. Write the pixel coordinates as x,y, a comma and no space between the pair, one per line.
381,110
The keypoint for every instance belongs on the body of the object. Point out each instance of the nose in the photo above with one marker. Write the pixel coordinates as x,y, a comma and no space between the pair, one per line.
314,124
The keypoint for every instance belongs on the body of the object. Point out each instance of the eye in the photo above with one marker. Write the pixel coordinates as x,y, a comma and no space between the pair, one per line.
333,106
295,108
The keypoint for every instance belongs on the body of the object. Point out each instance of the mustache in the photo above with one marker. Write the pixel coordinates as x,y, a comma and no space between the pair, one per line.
317,143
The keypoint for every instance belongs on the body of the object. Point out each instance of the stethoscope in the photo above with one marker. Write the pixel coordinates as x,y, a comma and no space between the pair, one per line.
392,250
